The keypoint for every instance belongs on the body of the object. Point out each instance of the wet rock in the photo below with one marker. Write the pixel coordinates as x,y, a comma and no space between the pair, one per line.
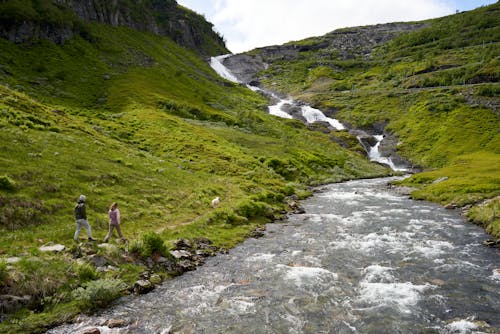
89,330
185,265
492,243
143,286
204,247
115,323
57,248
296,208
258,232
451,206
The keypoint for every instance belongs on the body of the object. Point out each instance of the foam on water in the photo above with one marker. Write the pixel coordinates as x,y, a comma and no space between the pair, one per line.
261,257
496,275
240,305
377,273
433,248
314,115
461,327
277,111
401,295
307,275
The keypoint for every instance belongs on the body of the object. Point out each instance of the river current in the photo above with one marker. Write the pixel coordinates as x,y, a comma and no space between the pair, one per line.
362,259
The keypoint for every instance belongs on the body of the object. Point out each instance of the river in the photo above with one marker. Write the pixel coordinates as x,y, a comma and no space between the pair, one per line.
362,259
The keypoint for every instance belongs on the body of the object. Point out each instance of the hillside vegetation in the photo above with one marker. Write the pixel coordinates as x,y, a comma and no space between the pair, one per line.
433,85
132,117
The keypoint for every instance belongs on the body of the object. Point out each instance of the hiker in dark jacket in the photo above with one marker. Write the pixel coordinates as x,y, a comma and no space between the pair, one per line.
81,219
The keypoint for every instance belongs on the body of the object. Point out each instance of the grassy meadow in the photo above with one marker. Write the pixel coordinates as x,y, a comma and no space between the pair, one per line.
134,118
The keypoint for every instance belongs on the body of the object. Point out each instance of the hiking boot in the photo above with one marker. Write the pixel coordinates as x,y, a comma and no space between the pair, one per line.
91,239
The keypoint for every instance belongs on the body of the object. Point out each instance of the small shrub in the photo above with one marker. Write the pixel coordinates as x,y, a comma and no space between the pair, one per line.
99,293
135,247
251,209
489,90
6,183
152,243
226,216
86,272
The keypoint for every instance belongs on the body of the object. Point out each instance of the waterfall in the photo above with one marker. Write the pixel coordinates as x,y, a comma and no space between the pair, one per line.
375,155
223,71
309,114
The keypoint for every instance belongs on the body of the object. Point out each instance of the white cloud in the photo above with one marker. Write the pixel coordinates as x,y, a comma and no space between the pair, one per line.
253,23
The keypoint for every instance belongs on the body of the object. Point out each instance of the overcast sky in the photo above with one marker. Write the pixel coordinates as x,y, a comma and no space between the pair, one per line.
247,24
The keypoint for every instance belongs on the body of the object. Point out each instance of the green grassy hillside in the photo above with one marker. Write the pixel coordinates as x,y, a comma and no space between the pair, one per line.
436,89
134,118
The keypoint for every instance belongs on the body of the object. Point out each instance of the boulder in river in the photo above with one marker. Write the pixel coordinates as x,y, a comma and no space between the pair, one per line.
89,330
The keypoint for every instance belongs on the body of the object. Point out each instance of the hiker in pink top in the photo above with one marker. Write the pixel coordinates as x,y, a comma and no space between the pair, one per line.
114,221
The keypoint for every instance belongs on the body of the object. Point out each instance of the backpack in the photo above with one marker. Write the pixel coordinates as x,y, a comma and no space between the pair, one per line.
80,211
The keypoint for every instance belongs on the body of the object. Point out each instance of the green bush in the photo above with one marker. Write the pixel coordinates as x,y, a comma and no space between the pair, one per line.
99,293
251,209
489,90
86,272
6,183
226,216
152,243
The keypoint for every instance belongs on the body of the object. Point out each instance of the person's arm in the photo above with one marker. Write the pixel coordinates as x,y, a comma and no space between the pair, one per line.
118,216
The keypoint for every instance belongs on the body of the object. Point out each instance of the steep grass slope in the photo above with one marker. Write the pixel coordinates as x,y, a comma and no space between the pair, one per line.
132,117
433,85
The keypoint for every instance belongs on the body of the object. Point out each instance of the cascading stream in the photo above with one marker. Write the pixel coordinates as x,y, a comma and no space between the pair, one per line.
307,113
362,259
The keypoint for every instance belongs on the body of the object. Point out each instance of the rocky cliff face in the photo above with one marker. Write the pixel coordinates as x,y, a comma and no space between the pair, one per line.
344,44
162,17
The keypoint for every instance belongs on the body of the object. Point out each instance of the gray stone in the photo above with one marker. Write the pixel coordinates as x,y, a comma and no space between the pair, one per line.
11,260
57,248
97,260
89,330
180,254
143,286
114,323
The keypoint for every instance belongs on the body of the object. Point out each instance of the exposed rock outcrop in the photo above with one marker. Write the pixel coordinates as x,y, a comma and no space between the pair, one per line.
67,17
349,43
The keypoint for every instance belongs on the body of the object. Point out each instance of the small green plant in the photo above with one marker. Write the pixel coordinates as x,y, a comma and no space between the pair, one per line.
489,90
251,209
226,216
86,272
99,293
152,243
6,183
